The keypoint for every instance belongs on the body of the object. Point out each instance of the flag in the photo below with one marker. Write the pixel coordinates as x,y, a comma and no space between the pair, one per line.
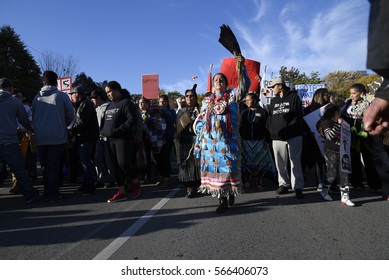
209,86
265,92
263,82
194,78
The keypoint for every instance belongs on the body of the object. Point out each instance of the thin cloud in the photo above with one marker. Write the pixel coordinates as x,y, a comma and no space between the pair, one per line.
330,40
260,6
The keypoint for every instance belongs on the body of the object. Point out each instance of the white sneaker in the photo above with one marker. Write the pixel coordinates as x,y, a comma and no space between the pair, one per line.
320,187
345,197
325,196
347,202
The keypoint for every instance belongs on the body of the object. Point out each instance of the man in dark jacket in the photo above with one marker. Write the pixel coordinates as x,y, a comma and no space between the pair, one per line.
286,117
86,131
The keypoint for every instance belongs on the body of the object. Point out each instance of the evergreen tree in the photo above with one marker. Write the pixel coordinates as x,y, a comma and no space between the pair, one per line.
17,63
86,81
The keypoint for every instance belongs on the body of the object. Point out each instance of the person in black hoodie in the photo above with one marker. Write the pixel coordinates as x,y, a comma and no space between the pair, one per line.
120,127
86,131
286,129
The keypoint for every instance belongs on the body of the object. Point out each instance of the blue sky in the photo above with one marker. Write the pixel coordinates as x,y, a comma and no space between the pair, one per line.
177,39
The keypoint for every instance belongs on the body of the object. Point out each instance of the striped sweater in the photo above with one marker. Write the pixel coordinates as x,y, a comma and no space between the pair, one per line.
331,131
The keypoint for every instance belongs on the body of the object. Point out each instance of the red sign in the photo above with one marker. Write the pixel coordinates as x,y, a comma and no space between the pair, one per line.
65,84
228,68
150,86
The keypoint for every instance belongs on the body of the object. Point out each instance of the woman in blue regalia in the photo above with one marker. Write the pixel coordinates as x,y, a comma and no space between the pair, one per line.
218,141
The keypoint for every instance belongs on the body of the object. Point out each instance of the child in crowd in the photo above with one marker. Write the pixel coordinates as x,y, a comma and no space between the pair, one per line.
330,129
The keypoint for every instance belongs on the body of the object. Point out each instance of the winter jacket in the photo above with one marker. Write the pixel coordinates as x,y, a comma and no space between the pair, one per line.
119,120
286,116
11,111
86,127
52,113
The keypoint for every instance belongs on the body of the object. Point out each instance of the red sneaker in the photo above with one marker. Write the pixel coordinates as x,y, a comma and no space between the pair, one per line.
135,192
118,197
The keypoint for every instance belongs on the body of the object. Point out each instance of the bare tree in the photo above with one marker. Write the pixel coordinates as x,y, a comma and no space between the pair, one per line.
63,66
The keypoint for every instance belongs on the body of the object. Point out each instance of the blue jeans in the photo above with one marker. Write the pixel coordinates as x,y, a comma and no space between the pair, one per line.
86,150
103,162
12,155
51,160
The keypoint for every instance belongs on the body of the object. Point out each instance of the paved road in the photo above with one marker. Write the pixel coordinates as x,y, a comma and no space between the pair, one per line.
164,224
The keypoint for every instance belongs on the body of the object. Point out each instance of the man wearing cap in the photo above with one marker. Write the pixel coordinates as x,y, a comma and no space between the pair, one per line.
86,131
52,113
11,112
286,119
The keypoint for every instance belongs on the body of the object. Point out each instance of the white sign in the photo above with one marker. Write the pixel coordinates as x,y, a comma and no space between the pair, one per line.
312,119
65,84
267,94
345,137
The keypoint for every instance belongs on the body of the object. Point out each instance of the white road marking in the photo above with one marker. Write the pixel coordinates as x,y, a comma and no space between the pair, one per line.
126,235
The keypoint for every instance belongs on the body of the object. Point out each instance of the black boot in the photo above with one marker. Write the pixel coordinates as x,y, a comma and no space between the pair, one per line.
223,205
190,192
231,199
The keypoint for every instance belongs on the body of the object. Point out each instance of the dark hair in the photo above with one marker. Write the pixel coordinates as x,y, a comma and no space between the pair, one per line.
125,93
17,90
50,78
99,93
318,96
145,100
224,76
329,113
5,83
193,90
114,85
359,87
253,96
165,98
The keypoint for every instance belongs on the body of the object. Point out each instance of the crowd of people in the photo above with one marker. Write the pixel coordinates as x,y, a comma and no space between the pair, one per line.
228,142
97,131
222,146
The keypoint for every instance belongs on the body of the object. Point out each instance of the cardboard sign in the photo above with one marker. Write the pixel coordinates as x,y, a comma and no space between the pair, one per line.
150,86
311,119
65,84
345,139
228,68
